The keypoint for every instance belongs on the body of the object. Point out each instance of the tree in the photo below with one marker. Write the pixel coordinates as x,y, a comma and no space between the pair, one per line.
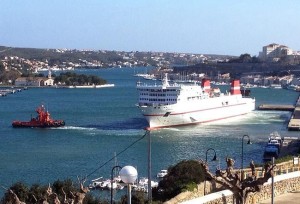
2,68
233,181
7,76
59,192
181,177
19,191
255,60
70,78
245,58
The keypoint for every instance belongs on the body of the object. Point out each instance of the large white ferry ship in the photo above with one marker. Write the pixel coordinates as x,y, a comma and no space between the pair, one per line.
172,104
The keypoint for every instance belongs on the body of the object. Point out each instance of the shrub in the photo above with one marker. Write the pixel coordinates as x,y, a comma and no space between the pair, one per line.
184,176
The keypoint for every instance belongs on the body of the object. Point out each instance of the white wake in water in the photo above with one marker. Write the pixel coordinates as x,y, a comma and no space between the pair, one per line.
77,128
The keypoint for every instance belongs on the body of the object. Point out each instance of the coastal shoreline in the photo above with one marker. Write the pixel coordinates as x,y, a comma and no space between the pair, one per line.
83,86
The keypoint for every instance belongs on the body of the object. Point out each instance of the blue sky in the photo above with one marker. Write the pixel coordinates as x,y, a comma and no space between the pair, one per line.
231,27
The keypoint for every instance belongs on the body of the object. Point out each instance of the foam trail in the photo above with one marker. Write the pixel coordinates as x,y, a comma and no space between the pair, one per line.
76,128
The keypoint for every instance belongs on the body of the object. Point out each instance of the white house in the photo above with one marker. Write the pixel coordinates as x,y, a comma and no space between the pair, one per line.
35,81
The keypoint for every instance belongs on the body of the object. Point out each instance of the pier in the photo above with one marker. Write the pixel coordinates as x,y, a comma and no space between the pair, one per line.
5,92
276,107
294,123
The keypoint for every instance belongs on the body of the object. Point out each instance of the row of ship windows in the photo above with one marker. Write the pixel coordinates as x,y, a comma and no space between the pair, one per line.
159,90
154,99
193,98
151,94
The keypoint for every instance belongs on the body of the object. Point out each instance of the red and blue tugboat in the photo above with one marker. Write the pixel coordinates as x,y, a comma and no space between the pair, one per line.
43,120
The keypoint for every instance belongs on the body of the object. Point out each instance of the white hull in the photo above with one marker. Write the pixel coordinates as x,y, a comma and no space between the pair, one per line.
170,105
205,111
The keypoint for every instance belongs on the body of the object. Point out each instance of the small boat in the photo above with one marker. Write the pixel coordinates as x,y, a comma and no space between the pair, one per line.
275,136
142,185
96,183
43,120
162,173
111,185
270,151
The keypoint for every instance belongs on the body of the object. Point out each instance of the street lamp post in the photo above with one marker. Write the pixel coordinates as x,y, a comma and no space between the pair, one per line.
149,168
272,198
111,183
242,162
214,159
128,175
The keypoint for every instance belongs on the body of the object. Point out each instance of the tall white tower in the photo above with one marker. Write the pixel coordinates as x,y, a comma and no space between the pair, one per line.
49,73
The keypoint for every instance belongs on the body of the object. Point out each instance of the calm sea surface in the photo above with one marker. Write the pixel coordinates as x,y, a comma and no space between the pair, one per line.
102,122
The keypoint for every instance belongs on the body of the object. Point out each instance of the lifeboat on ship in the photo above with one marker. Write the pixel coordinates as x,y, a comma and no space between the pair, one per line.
43,120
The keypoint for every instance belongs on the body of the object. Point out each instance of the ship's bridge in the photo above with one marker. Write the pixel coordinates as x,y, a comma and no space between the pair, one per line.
158,95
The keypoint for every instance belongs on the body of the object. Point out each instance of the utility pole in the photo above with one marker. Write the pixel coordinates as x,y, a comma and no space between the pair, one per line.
272,199
149,168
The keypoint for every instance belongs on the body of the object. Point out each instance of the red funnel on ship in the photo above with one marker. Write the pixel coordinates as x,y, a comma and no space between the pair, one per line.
235,87
205,85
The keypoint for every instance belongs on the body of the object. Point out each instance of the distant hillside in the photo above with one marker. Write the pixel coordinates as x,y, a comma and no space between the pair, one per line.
56,56
238,69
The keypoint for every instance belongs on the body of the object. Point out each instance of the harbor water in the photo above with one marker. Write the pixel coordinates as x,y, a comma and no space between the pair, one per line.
103,122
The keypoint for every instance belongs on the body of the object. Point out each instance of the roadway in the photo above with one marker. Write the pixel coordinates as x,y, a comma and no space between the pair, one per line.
290,198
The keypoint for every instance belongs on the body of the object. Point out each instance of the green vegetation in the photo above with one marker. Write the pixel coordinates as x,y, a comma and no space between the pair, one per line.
8,77
284,159
37,193
245,58
182,177
71,78
64,190
55,57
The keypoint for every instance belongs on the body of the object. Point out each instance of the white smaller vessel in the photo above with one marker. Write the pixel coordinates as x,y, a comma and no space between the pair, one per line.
272,149
142,185
96,183
90,86
111,185
162,173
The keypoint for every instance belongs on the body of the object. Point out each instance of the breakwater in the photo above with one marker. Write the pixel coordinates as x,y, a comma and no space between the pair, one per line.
294,120
7,91
294,123
276,107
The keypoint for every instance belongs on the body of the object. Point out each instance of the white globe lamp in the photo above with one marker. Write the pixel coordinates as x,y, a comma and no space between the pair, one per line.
128,175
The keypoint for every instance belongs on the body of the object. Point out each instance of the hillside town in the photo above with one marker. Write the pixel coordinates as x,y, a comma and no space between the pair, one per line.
116,59
25,70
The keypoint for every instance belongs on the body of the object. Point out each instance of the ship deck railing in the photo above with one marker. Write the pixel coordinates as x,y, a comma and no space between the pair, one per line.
140,84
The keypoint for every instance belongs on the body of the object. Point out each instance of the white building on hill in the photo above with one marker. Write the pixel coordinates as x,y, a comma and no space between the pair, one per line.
273,52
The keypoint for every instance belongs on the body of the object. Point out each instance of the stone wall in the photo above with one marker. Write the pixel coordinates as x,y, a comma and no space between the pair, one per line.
282,184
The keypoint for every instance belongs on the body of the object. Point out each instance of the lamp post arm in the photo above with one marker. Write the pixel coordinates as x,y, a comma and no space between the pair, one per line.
207,153
242,159
204,191
111,183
